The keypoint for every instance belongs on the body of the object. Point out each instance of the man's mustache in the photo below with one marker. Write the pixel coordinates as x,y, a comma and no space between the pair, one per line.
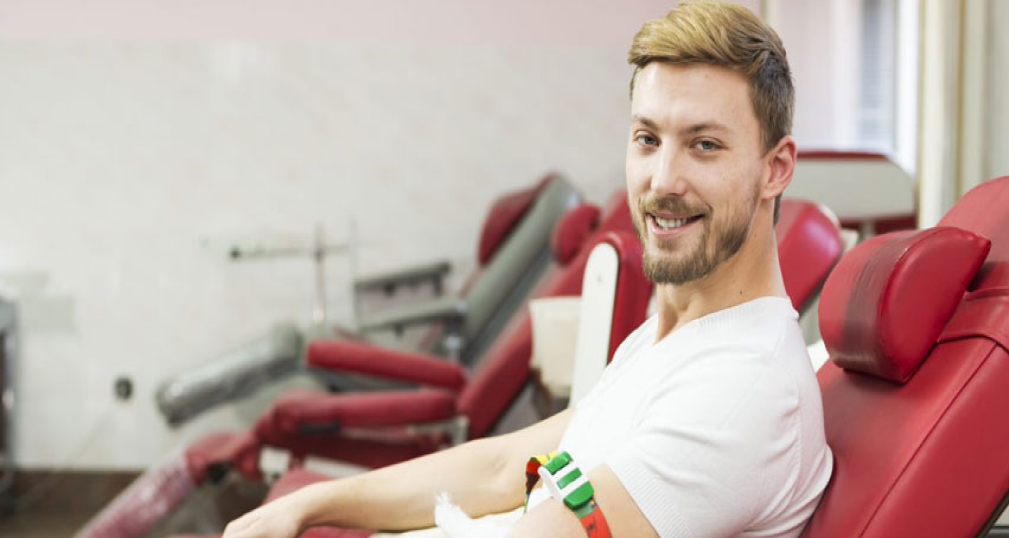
670,204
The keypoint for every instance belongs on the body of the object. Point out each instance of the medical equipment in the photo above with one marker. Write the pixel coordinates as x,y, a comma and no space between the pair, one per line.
513,255
569,487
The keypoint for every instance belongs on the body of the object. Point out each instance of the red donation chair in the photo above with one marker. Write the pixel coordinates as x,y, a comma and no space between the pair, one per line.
917,389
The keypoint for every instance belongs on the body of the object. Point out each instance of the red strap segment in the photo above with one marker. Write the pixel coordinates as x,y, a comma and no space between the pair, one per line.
595,524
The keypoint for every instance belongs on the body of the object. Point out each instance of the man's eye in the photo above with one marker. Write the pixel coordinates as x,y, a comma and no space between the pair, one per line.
706,146
646,140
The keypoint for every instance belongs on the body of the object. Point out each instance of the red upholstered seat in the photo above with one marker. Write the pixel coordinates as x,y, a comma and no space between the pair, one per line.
367,359
372,449
302,411
504,214
806,233
809,244
512,257
929,457
572,230
505,369
498,378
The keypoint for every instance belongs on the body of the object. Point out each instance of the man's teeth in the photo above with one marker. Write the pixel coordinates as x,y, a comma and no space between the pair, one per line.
669,224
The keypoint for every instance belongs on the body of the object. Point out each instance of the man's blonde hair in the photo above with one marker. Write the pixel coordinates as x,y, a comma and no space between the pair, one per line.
725,35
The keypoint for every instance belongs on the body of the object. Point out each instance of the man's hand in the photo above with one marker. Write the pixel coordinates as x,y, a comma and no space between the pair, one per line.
277,519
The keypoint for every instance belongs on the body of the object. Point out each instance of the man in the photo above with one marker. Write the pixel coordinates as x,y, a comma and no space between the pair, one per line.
708,423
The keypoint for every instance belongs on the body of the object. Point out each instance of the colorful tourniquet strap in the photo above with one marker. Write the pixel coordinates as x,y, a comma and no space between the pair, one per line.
566,484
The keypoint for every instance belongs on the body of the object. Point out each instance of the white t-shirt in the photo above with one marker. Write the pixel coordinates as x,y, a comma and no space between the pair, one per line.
714,431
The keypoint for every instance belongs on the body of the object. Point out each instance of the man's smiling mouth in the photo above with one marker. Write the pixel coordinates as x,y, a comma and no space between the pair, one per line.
673,222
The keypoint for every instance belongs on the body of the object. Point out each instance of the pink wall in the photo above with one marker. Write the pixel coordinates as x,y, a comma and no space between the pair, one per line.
432,21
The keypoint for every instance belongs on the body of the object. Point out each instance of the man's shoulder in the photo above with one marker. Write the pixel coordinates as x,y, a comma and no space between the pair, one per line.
762,344
758,329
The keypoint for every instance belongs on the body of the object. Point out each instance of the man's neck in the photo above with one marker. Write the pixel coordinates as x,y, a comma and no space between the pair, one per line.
752,273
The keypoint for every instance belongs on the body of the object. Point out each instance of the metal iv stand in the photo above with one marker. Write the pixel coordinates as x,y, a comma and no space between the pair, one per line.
243,370
318,252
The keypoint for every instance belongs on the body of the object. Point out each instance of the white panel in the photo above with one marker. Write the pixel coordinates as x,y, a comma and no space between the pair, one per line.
854,189
596,321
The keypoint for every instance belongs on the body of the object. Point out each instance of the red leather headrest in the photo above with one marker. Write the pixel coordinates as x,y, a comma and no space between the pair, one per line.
506,212
572,230
886,302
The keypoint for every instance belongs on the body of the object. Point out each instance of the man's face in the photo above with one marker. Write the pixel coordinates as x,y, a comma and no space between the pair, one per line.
693,168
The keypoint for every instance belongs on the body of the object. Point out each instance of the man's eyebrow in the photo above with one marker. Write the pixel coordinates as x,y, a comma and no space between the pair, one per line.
688,130
705,126
645,121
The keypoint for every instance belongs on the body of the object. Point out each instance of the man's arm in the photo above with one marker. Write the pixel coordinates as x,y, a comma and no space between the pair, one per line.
551,519
483,476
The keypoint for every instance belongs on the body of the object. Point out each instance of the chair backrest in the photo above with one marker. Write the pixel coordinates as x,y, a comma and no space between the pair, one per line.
514,254
504,215
809,244
614,292
915,395
504,368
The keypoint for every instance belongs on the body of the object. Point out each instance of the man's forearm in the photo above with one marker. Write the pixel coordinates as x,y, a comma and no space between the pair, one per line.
403,496
484,476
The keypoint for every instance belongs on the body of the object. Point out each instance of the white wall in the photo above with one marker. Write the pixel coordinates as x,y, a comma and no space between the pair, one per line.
824,59
997,133
133,132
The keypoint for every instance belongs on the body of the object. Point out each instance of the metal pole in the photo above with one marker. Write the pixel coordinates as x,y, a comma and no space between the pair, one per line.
319,253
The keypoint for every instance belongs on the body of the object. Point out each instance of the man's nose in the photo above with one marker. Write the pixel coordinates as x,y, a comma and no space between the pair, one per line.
669,177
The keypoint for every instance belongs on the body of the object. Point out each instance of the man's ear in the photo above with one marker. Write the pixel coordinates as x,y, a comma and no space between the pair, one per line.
781,165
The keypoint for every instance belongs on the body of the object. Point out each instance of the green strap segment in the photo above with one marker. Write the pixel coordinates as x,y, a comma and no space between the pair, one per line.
569,478
579,497
558,462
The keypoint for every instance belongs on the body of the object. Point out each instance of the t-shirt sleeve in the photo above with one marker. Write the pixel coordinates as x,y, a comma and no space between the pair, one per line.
716,450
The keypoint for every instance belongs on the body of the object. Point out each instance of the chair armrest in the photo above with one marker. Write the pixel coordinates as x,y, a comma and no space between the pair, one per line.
211,455
388,282
302,412
445,309
363,358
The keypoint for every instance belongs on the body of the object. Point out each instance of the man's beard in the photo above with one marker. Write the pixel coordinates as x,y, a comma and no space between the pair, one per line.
707,255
